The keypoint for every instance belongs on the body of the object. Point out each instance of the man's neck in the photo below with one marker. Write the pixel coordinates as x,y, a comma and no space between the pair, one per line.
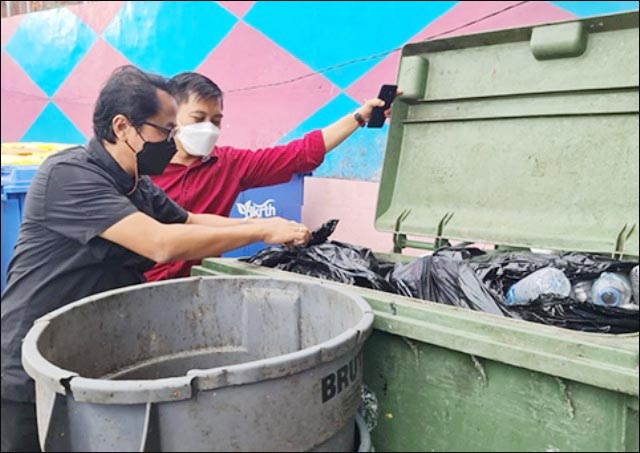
181,157
123,156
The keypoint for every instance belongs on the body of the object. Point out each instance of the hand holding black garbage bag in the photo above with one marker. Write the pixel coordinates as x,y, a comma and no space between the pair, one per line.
330,260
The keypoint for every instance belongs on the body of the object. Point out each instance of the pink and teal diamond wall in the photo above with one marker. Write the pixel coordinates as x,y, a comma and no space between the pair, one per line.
54,62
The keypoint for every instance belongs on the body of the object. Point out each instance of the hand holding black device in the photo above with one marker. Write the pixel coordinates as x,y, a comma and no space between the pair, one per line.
387,94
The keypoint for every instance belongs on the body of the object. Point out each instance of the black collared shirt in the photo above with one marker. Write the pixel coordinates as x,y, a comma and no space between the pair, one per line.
59,257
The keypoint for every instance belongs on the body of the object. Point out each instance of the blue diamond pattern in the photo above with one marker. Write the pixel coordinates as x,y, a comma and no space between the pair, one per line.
48,58
586,9
53,126
341,31
168,37
332,111
358,157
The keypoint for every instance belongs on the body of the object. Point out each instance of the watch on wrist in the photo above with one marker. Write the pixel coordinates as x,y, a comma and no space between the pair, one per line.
359,118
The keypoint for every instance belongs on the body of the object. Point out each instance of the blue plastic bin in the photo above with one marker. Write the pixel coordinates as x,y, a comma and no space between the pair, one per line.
283,200
15,183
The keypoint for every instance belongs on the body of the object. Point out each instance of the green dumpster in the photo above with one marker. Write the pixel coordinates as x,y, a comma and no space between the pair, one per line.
529,137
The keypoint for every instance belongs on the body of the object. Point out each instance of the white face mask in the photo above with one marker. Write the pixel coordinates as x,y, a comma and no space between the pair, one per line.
198,139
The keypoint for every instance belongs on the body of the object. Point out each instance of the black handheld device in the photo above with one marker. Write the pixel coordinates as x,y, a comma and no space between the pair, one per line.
387,94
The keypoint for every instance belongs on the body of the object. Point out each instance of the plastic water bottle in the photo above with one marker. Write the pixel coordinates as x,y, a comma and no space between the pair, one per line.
547,281
581,291
634,284
611,290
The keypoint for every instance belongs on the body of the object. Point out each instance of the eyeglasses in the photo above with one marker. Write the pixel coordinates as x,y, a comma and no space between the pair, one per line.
170,133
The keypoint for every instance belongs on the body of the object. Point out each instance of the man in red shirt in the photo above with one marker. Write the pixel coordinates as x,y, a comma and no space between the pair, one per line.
203,178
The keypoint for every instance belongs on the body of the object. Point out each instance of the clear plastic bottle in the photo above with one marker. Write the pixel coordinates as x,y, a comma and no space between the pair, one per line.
581,291
547,281
611,290
634,284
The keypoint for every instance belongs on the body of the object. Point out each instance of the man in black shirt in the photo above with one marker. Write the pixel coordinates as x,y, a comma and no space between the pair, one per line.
92,222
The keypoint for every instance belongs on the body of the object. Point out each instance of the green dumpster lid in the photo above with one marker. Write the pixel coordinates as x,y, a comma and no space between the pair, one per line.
529,136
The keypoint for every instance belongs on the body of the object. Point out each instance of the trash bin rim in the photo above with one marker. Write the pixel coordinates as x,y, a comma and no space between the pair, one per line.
67,382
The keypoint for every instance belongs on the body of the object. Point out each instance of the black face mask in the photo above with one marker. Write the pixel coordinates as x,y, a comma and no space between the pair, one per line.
155,156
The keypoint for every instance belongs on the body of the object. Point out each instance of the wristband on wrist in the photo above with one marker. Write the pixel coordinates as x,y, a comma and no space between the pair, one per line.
359,118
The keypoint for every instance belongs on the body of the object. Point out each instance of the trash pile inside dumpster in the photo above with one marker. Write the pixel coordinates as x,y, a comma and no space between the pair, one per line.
571,290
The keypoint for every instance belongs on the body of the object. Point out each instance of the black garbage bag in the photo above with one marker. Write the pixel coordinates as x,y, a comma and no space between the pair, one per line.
446,277
574,315
453,282
498,271
409,275
320,235
471,278
463,277
331,260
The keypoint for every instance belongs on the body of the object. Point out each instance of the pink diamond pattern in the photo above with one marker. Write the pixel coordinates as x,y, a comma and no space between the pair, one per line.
77,96
239,9
260,117
9,26
21,100
97,18
529,13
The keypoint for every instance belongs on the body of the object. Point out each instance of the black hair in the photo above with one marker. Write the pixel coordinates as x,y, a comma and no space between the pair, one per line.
129,92
185,84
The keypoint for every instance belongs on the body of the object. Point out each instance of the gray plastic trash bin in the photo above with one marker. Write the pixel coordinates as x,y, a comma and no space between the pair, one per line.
201,364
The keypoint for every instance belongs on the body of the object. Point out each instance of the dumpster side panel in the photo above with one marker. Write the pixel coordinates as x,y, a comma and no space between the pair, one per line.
436,399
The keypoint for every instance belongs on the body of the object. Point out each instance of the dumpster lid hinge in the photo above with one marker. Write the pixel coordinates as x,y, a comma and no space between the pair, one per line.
400,240
621,240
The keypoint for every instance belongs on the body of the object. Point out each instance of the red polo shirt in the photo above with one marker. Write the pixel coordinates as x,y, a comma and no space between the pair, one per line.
212,185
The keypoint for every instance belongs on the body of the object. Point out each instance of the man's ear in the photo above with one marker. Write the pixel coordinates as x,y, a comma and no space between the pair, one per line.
120,124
